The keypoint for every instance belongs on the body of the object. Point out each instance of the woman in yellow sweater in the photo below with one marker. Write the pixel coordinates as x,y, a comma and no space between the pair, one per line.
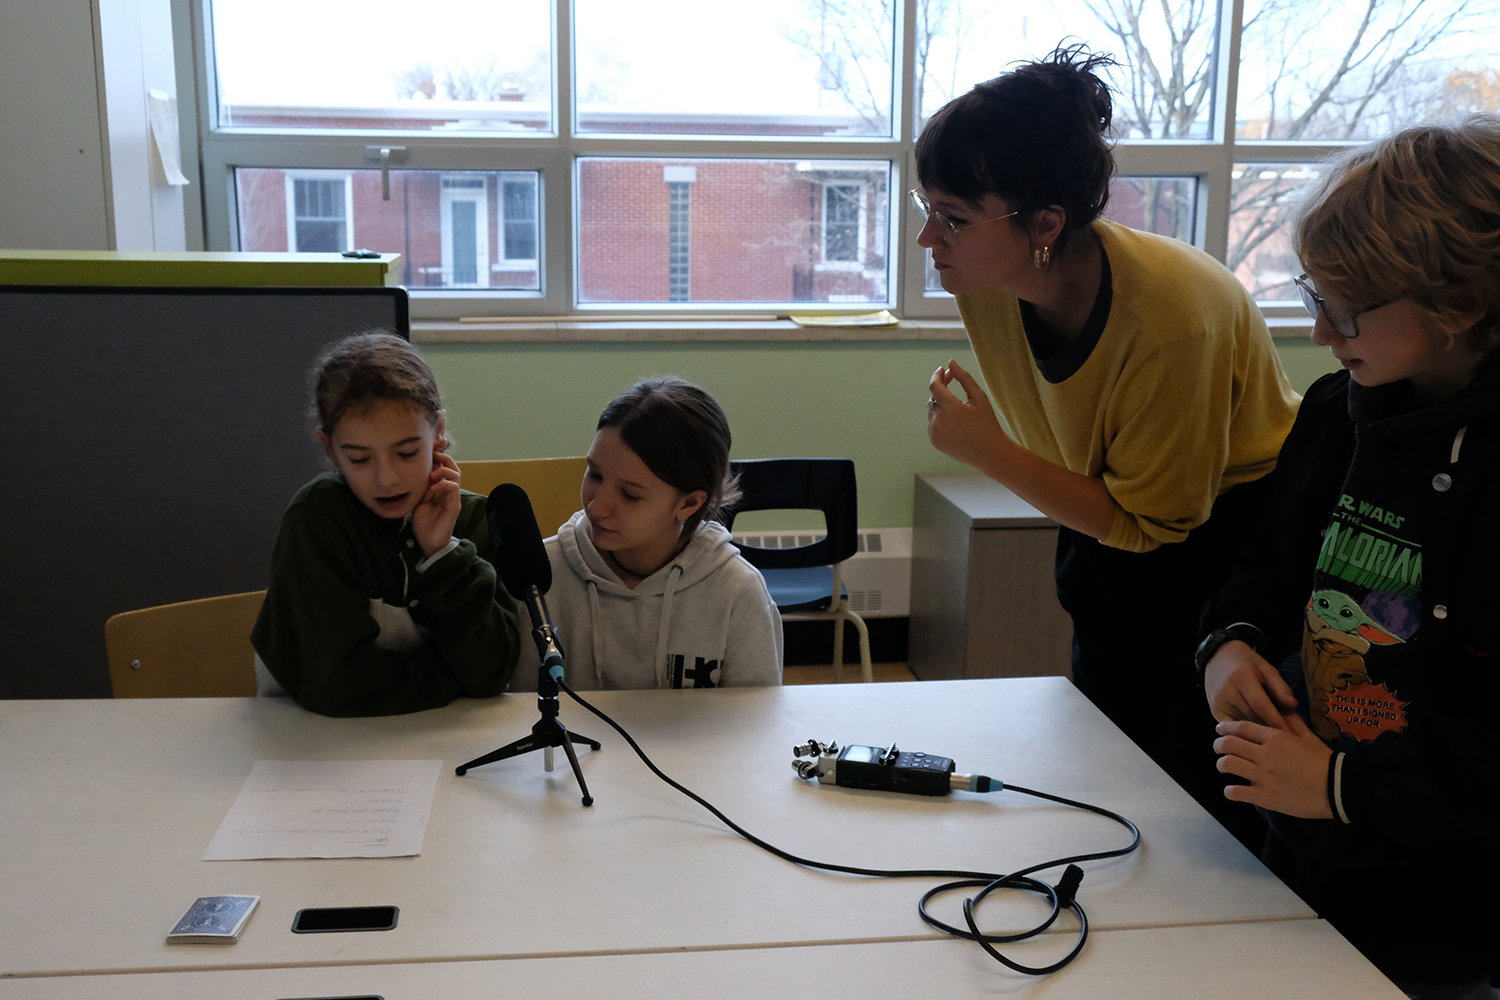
1143,401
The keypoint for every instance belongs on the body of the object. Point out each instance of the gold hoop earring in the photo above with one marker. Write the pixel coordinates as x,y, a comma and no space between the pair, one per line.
1041,258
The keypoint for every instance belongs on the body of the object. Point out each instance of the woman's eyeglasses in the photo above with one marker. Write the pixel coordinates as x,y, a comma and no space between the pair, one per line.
947,228
1345,322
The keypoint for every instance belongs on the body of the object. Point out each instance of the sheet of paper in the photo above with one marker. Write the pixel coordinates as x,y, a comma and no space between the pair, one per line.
161,111
883,317
328,809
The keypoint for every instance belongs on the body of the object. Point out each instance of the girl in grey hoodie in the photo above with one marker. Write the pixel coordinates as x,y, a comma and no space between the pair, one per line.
647,589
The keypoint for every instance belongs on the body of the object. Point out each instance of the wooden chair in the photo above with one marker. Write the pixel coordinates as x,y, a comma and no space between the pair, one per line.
193,649
552,484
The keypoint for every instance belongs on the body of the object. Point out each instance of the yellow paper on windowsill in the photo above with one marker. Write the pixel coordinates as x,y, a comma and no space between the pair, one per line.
880,318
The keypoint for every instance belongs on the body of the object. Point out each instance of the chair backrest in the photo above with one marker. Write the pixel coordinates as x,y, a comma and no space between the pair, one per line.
193,649
825,484
552,484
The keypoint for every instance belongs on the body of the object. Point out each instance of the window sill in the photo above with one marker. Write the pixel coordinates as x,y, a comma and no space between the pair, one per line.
700,330
1290,327
569,331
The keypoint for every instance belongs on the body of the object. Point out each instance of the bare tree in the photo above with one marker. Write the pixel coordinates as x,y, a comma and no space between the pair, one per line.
1318,72
939,20
1347,85
853,40
416,81
1470,90
486,81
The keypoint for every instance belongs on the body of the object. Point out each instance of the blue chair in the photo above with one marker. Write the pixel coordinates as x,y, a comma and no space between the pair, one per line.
806,582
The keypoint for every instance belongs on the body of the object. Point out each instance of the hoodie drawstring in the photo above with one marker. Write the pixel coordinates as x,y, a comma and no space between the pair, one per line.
596,637
663,668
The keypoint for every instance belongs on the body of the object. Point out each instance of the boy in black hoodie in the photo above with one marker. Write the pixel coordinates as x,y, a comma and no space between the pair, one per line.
1350,660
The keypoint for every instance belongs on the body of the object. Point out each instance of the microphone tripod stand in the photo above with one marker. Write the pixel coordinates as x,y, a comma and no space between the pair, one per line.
549,731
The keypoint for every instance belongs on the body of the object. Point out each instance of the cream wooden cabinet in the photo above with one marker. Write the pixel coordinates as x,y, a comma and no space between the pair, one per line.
983,603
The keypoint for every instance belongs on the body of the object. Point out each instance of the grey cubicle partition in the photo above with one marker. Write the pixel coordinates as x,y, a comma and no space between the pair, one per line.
152,438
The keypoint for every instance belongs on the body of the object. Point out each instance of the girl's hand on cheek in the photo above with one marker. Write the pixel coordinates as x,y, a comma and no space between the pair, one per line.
434,518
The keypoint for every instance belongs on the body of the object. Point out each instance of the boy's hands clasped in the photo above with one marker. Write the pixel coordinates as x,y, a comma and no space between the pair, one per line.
1262,738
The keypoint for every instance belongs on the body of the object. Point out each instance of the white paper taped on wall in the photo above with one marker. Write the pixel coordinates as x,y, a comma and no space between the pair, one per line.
161,109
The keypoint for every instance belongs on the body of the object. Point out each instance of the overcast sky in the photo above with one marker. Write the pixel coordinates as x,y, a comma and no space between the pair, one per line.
691,56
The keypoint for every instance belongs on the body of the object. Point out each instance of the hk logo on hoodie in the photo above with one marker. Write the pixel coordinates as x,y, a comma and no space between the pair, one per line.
702,674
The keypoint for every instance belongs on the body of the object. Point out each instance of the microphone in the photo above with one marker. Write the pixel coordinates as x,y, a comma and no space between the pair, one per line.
520,558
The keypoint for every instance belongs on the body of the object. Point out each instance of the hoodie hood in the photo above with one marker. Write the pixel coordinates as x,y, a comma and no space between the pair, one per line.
707,552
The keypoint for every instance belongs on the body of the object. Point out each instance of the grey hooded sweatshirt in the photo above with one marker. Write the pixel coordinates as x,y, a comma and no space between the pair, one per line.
705,619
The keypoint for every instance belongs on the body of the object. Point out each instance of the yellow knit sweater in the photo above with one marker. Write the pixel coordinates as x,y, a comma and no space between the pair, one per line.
1182,397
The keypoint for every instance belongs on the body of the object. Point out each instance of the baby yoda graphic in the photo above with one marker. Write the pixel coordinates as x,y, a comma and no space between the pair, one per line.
1334,643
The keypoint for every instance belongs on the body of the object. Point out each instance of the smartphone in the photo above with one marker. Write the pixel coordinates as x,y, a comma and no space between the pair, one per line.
330,920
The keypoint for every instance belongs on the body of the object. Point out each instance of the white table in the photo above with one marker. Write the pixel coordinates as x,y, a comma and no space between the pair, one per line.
108,805
1296,958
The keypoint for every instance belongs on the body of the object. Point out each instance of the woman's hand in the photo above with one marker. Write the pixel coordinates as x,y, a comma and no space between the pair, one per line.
967,430
1242,686
1287,767
433,519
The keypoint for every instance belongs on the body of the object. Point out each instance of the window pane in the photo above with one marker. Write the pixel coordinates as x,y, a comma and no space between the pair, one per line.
843,206
460,65
443,223
1163,85
652,230
318,221
465,252
1164,205
519,206
1357,79
1262,197
783,67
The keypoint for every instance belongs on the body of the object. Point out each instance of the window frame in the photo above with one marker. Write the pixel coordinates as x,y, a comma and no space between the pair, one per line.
502,261
553,157
346,179
859,199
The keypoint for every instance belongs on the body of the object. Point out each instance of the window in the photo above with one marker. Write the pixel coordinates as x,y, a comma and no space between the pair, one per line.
843,218
519,237
679,232
317,212
713,231
662,155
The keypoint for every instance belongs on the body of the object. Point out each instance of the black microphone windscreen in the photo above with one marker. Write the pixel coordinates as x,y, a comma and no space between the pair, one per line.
516,546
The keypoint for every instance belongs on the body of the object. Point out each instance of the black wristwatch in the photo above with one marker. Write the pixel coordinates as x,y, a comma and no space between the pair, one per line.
1243,631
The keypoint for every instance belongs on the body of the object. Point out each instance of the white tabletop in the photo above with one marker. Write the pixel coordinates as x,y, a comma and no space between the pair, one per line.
1295,958
108,805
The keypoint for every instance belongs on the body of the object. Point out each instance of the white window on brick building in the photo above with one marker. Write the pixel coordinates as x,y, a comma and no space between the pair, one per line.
318,212
843,222
519,229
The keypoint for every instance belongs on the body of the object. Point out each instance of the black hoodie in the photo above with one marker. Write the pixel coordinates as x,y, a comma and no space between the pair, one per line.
1375,578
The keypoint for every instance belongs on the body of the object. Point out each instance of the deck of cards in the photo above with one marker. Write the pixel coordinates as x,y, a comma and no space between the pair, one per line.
214,920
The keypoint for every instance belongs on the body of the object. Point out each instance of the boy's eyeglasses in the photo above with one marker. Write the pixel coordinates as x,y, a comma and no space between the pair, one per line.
1345,322
947,228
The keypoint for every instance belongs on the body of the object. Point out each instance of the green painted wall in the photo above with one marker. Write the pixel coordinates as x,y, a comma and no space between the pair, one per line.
1304,361
860,400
